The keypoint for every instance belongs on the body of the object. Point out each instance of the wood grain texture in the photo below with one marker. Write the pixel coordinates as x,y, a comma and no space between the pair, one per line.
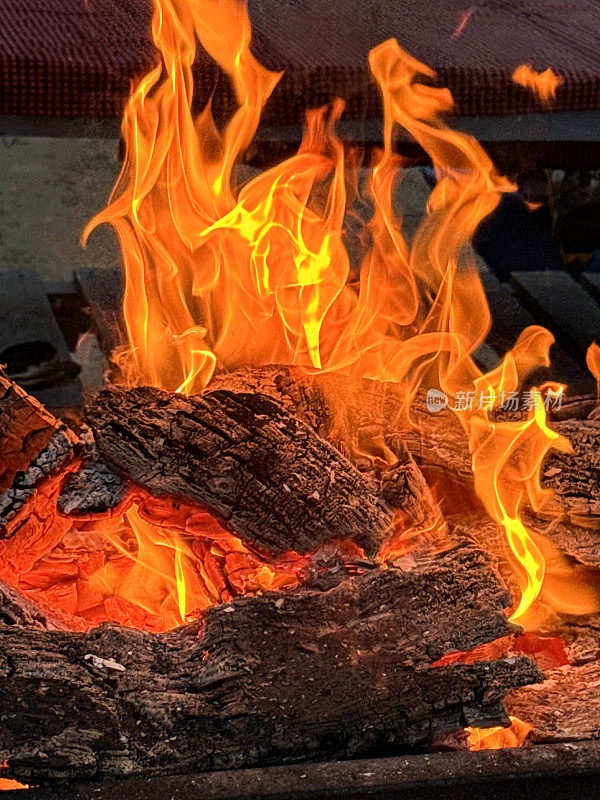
34,446
276,678
341,408
564,708
263,473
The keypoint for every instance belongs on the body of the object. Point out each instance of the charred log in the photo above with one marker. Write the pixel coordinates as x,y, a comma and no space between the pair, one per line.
437,441
390,469
94,488
33,447
278,678
266,475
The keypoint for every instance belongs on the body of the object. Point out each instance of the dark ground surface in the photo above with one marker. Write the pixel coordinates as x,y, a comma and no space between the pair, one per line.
552,772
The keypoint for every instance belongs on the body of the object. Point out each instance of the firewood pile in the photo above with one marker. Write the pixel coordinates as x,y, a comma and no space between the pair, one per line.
392,631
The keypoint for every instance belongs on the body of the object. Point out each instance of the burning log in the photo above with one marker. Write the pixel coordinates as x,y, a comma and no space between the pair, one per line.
437,441
33,446
276,678
97,489
266,475
37,451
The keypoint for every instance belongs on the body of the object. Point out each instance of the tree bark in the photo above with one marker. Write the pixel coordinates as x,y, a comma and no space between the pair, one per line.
276,678
264,474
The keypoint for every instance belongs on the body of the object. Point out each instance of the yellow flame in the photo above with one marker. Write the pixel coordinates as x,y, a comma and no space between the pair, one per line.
220,277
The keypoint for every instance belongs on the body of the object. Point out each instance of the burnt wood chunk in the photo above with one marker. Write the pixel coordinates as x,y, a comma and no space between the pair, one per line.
17,610
25,430
94,488
277,678
437,441
335,409
575,476
263,473
34,447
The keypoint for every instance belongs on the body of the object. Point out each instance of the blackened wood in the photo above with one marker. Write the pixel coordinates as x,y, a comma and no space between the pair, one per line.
34,446
266,475
575,476
573,522
94,488
276,678
352,416
54,457
25,429
338,407
17,610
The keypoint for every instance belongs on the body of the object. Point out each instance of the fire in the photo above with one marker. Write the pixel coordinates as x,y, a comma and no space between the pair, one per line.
220,276
497,738
154,566
592,359
543,84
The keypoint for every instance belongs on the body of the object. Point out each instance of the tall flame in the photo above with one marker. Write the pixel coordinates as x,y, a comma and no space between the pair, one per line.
219,276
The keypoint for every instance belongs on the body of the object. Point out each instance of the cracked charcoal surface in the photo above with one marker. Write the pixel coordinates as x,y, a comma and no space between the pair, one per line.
276,678
235,454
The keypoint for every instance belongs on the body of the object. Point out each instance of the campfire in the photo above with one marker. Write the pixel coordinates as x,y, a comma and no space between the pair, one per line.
299,522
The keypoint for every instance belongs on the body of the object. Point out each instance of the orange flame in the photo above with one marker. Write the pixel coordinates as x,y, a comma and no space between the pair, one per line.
542,84
220,277
497,738
6,785
592,359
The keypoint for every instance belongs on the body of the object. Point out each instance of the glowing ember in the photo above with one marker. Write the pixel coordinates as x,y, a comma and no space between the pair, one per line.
543,84
497,738
155,567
